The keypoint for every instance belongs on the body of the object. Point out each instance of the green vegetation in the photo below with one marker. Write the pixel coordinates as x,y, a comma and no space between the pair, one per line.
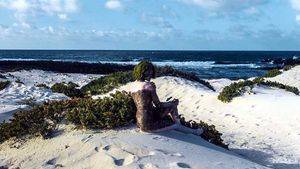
107,113
43,86
209,134
140,69
38,121
69,89
107,83
288,67
170,71
19,81
234,89
238,88
281,86
273,73
4,84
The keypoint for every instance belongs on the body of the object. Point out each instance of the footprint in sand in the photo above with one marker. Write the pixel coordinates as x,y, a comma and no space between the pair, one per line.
53,163
183,165
160,138
179,165
120,157
165,152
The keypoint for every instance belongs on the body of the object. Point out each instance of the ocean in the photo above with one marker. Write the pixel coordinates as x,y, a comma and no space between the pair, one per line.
206,64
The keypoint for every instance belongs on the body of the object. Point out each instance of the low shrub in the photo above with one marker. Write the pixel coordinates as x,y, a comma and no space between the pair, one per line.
39,120
43,86
288,67
288,88
69,89
107,83
238,88
170,71
273,73
209,134
141,68
107,113
19,81
234,89
4,84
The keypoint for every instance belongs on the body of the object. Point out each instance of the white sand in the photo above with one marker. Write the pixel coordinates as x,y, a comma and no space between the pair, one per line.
17,95
290,77
262,127
126,148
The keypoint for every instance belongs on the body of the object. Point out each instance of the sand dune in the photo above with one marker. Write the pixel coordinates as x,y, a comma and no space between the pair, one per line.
17,95
126,148
263,128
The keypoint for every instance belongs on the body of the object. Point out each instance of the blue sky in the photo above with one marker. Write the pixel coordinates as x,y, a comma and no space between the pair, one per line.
150,24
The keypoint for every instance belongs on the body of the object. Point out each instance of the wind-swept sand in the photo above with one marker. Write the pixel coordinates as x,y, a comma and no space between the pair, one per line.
263,127
17,95
126,148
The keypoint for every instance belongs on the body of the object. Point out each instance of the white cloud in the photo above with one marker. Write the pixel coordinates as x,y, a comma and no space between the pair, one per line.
209,4
63,16
23,9
227,6
114,5
251,11
19,5
156,20
298,18
295,4
71,6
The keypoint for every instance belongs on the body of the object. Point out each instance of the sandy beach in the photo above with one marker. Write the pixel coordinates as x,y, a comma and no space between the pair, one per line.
262,129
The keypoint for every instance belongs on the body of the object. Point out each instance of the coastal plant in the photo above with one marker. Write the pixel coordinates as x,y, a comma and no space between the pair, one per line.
4,84
42,85
107,83
33,122
273,73
234,89
107,113
288,88
287,67
239,88
19,81
140,69
170,71
69,89
209,134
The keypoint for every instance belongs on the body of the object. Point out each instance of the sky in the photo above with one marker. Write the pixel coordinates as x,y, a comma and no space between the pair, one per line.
150,24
